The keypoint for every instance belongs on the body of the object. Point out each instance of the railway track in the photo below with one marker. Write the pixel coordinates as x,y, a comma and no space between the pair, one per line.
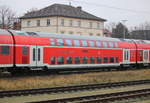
103,98
70,88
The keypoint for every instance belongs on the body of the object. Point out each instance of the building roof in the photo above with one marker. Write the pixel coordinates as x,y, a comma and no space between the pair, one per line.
63,11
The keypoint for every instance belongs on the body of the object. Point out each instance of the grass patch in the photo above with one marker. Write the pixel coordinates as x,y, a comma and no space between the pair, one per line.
74,79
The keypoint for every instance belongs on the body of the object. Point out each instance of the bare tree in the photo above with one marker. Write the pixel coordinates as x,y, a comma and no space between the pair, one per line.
110,26
7,17
31,10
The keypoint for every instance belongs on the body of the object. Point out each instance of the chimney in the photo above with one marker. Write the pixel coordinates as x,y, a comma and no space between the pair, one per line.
79,7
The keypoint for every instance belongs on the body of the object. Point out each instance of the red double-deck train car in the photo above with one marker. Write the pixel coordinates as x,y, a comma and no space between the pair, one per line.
32,50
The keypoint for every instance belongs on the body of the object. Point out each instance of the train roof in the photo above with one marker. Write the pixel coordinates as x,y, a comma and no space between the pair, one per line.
66,36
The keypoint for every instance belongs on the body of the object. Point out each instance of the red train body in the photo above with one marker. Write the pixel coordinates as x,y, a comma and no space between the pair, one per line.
34,50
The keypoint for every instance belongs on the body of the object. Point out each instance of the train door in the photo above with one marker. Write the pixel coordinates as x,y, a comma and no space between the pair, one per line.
36,56
145,56
126,56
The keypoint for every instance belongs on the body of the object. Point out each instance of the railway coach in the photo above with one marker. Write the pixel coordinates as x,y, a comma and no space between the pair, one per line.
21,50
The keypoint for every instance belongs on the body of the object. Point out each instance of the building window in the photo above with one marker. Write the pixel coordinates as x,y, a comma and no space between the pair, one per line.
62,32
71,32
98,34
71,22
38,22
28,23
48,22
79,33
98,25
91,34
90,24
79,23
62,22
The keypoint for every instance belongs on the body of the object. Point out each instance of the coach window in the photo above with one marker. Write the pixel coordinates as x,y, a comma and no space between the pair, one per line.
5,50
99,60
60,42
105,44
52,41
92,60
68,43
98,44
112,60
105,59
84,43
76,43
116,44
24,50
52,60
39,54
34,57
91,43
111,44
68,60
60,60
84,60
77,60
117,60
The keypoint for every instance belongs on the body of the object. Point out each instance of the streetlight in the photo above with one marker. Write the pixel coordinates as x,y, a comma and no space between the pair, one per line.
124,30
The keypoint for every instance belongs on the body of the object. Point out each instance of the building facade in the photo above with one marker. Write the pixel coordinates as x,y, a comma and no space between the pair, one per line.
63,19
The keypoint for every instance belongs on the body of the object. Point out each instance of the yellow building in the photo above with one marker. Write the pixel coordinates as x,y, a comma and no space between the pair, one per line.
63,19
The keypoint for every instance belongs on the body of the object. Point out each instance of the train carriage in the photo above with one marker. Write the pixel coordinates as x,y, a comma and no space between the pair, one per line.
6,49
34,51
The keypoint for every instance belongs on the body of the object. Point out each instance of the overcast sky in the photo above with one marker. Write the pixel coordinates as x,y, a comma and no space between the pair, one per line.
135,11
